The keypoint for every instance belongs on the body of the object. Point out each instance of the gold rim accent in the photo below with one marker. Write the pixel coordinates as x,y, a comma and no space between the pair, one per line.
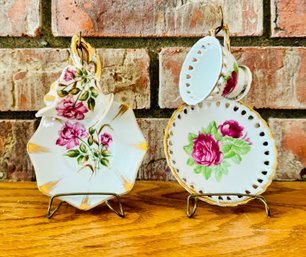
34,148
122,109
49,98
92,55
142,146
190,190
48,187
85,204
225,28
53,86
126,183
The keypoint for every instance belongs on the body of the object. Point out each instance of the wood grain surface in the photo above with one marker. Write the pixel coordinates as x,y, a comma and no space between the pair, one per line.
155,225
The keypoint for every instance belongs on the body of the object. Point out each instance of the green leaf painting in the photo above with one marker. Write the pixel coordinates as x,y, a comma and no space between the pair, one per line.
78,88
214,149
89,148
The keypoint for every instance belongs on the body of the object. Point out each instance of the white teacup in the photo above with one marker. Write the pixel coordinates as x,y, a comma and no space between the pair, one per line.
211,71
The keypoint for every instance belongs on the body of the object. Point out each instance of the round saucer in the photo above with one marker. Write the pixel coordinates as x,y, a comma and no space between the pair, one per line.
220,146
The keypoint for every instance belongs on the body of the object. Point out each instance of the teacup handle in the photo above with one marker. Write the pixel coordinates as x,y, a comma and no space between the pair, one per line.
227,42
92,56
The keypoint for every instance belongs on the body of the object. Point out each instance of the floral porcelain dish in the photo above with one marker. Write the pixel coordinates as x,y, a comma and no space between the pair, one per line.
220,146
86,142
82,157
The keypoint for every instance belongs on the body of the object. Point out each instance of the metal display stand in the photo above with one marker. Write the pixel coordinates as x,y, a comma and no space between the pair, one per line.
119,212
192,201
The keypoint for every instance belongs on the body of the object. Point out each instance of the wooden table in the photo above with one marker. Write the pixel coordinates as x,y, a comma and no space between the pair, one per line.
155,225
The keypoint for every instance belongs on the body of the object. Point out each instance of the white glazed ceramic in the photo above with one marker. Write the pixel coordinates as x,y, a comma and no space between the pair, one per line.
73,156
211,71
85,142
220,146
77,94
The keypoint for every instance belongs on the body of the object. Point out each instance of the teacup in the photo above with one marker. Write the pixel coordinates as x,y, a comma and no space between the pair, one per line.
77,95
211,71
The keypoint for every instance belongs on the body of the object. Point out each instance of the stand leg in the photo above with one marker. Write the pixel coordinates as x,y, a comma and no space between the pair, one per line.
119,212
192,202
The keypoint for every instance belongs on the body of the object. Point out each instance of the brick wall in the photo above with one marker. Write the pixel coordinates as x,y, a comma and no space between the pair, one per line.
142,45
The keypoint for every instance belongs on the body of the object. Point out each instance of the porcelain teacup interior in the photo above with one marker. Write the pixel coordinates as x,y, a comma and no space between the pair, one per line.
211,71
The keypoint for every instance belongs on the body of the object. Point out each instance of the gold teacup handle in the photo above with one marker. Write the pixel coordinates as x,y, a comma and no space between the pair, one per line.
227,42
92,56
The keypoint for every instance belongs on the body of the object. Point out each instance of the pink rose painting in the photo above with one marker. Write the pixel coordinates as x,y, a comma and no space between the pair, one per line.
215,148
230,84
106,139
78,89
69,109
85,146
70,133
231,81
206,150
231,128
69,74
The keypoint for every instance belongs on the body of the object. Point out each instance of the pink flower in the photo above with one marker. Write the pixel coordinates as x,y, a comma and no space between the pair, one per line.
69,134
68,109
230,84
69,74
106,139
231,128
206,150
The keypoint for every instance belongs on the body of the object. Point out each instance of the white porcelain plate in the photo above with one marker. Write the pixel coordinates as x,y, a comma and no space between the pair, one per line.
220,147
69,156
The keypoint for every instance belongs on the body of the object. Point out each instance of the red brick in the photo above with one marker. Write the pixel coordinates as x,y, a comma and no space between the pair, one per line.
26,75
290,137
154,166
288,18
14,161
279,76
157,18
20,18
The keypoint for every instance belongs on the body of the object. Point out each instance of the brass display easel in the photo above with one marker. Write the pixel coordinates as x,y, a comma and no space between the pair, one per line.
119,212
192,201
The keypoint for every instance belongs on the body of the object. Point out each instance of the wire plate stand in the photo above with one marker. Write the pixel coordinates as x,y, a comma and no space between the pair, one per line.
192,201
119,211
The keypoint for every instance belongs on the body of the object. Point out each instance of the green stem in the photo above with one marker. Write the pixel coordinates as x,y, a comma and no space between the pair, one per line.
85,143
76,100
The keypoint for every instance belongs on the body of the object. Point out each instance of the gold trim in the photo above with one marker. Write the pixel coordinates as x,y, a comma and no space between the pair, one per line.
212,33
34,148
122,109
48,187
92,55
85,204
142,146
190,190
126,183
49,98
53,86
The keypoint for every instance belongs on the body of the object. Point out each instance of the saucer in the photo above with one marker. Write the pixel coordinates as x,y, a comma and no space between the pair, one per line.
89,156
220,146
